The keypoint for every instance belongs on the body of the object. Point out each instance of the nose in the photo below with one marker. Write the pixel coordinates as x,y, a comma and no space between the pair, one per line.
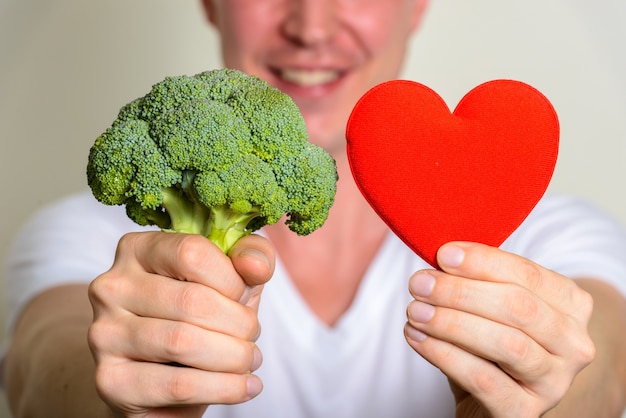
311,22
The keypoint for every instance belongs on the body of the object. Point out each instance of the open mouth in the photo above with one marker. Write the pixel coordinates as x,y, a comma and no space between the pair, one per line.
309,78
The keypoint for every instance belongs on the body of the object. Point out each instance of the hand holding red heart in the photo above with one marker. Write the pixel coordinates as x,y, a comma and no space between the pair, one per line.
509,334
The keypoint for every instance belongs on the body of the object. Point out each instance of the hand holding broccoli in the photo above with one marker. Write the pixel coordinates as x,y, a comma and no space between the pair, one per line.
219,154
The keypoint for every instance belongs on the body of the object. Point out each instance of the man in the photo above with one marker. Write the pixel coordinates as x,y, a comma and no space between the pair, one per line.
492,334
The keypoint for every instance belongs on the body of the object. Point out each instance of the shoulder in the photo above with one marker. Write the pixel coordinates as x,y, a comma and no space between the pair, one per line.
559,218
83,204
70,228
76,216
68,241
575,238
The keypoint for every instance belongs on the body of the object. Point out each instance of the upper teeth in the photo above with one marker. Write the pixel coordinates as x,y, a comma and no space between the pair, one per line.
310,77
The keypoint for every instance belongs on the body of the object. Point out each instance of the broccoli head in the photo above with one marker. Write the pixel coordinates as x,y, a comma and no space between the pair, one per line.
220,154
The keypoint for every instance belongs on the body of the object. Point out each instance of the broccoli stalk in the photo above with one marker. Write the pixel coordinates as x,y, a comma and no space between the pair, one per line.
221,224
229,226
186,213
220,154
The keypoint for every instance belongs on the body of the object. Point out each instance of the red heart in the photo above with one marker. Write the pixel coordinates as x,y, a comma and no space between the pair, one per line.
435,176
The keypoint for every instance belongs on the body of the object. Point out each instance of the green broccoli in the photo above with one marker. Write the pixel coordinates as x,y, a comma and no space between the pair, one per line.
220,154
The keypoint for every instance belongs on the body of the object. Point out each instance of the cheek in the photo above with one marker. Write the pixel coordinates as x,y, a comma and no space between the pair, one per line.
383,29
388,42
239,45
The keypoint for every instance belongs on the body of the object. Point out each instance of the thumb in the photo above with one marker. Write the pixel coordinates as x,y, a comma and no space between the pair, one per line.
254,258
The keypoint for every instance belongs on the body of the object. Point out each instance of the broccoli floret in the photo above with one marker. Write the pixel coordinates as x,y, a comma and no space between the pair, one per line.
220,154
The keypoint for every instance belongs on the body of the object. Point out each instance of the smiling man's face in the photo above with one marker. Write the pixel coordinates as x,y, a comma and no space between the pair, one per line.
324,53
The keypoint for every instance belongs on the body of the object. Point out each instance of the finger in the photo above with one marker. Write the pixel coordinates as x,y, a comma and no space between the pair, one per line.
543,354
173,300
506,304
489,385
140,386
159,341
478,261
254,259
184,257
514,351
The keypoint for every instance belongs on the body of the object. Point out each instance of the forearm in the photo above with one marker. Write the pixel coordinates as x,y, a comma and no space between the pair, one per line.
49,369
599,390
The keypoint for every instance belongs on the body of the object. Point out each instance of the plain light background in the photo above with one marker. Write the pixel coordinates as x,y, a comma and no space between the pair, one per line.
67,66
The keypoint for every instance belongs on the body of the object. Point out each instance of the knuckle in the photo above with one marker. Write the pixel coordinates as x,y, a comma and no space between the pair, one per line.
557,390
583,301
523,307
96,289
522,354
127,240
103,336
245,324
191,249
179,388
581,349
106,381
515,345
199,304
237,358
245,352
103,288
250,327
458,295
97,335
177,341
127,243
483,382
531,273
586,351
195,301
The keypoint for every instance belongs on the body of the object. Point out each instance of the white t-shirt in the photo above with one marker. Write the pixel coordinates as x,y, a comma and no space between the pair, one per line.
362,367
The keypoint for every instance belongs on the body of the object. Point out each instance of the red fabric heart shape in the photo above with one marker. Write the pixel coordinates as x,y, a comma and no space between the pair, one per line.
435,176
